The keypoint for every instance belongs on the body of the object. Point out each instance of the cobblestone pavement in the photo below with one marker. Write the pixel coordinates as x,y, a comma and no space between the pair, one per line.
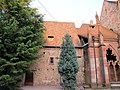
55,88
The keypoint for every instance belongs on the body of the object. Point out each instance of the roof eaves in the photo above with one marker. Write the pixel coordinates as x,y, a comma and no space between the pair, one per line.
60,46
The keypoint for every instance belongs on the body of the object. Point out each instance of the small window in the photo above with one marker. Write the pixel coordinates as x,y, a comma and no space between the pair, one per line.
50,38
92,26
78,56
111,29
43,54
51,60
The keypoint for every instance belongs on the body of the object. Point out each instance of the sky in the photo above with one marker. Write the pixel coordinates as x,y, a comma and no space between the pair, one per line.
77,11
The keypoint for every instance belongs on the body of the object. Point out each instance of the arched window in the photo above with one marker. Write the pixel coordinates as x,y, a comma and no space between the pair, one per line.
113,66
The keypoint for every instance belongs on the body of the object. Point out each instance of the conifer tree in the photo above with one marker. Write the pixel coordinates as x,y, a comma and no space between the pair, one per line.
68,65
21,36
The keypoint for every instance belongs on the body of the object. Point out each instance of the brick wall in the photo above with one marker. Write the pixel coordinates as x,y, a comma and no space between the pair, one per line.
46,73
110,15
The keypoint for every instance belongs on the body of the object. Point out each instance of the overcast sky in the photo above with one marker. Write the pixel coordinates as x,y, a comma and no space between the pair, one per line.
78,11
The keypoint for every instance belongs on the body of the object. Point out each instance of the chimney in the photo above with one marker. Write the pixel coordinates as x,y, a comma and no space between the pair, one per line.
91,22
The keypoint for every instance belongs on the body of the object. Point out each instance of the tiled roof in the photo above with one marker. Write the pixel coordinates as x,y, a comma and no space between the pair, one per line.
55,31
58,31
93,30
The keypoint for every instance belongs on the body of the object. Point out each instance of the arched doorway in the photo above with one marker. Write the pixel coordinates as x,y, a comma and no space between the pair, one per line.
113,66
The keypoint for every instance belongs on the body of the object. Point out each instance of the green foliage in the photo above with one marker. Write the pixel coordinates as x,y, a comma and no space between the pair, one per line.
67,65
21,36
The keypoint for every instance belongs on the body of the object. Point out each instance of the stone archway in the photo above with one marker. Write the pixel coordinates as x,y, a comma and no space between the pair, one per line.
113,66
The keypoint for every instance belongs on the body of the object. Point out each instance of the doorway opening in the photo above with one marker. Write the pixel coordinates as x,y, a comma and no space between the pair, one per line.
29,78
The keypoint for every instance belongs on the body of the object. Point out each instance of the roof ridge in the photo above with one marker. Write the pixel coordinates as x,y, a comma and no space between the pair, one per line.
60,22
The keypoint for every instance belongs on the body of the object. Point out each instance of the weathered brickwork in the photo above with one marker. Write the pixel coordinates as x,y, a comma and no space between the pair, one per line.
110,15
45,72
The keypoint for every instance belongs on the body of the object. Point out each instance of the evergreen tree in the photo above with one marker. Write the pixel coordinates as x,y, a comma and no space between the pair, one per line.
68,65
21,36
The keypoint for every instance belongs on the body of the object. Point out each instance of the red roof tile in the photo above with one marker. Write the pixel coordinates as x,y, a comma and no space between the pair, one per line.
86,28
58,31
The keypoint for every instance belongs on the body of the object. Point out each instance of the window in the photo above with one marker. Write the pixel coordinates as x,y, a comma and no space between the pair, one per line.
51,60
43,54
50,38
78,56
111,29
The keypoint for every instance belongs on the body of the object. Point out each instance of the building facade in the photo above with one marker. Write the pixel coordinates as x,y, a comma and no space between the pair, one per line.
97,47
45,71
97,55
102,62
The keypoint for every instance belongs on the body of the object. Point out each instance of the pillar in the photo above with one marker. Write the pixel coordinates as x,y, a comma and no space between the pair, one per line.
106,77
101,58
92,58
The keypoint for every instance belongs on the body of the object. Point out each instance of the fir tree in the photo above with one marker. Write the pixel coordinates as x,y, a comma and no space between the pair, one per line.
21,36
67,65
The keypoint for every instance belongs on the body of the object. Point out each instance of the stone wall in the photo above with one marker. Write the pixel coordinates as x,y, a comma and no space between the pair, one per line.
110,15
45,72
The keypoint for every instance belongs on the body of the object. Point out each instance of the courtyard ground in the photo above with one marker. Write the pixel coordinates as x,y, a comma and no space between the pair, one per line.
41,88
55,88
